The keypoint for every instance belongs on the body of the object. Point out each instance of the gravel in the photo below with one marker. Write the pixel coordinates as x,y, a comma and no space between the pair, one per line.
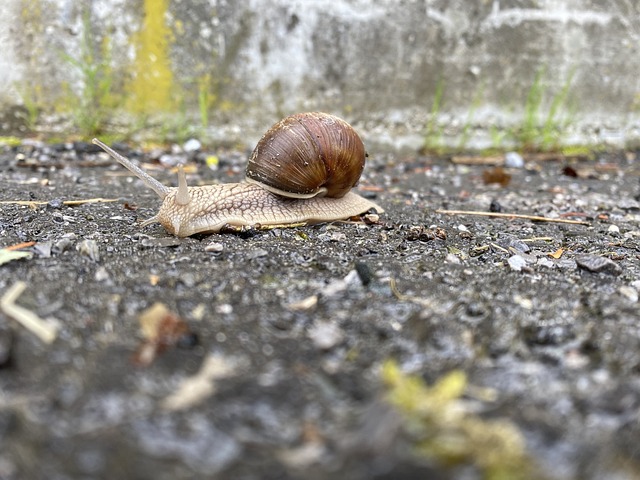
294,326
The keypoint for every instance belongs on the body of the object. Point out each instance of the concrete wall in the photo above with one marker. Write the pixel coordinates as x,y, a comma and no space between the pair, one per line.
379,63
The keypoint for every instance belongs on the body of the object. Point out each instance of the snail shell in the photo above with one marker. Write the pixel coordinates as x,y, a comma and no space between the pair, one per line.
307,155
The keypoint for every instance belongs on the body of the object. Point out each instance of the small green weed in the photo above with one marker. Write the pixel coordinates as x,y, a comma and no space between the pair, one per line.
475,104
30,100
433,141
534,132
95,101
443,429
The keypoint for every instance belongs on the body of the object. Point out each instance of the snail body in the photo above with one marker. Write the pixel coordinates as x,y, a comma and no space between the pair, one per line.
301,171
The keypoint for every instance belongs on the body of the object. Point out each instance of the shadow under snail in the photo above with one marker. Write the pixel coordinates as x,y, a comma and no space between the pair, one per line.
301,171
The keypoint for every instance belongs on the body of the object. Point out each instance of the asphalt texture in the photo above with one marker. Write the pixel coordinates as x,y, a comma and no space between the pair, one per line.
269,360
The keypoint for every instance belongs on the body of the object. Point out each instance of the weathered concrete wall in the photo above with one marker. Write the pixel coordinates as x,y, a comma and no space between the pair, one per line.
239,66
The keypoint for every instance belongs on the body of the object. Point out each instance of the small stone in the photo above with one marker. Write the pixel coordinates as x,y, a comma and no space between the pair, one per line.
545,262
64,243
304,304
43,249
598,264
214,247
188,279
257,253
224,309
566,264
629,292
364,272
325,335
517,263
515,243
192,145
613,229
351,280
169,160
513,160
90,249
452,259
523,302
101,274
55,203
371,218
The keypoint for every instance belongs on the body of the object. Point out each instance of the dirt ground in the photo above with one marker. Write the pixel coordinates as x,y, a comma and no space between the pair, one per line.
426,345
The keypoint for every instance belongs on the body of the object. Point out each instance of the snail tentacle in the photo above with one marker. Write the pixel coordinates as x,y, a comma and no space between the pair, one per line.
161,190
182,195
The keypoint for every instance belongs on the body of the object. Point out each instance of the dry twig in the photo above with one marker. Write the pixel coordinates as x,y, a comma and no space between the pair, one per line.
535,218
44,329
71,203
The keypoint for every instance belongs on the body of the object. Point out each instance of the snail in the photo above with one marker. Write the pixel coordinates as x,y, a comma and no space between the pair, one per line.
301,171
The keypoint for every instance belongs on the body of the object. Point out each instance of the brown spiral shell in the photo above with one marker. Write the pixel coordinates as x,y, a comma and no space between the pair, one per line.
308,154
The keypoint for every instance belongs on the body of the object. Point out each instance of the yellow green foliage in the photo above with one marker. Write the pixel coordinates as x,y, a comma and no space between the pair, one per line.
10,141
447,431
152,88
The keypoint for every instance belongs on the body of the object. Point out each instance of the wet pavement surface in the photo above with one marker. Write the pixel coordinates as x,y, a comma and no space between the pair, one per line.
424,345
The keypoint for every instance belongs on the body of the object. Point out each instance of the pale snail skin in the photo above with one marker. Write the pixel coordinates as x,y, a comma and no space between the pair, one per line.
188,210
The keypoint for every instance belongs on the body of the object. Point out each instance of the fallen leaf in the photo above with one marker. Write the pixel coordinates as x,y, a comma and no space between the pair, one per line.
7,255
496,175
200,386
557,254
160,329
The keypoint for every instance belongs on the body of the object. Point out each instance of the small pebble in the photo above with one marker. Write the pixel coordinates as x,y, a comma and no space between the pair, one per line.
43,249
214,247
351,280
614,229
192,145
257,253
169,160
304,304
64,243
55,203
515,243
364,272
629,292
90,249
517,263
545,262
224,309
513,160
452,259
523,302
566,264
598,264
101,274
371,218
325,335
